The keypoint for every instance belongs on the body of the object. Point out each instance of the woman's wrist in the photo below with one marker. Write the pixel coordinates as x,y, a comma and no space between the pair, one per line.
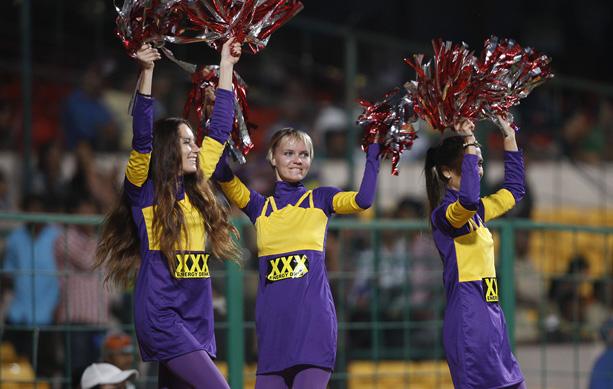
510,144
472,143
469,139
226,66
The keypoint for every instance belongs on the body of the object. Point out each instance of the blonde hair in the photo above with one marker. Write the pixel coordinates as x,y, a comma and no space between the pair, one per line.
293,134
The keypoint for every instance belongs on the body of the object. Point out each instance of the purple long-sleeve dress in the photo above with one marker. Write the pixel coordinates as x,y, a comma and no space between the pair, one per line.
173,313
474,329
295,315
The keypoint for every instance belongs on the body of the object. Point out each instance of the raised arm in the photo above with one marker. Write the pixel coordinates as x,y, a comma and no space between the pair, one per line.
222,117
513,188
459,212
352,202
142,119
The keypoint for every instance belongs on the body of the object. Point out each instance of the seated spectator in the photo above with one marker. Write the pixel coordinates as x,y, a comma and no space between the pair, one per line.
106,376
48,177
118,350
84,301
571,295
29,268
86,118
7,127
582,137
6,203
91,181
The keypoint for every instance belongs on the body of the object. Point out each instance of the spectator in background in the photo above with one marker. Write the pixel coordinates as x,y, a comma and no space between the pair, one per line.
295,107
84,301
116,98
48,177
91,181
571,294
118,350
6,202
106,376
7,127
119,94
330,132
86,118
582,135
606,122
602,372
29,267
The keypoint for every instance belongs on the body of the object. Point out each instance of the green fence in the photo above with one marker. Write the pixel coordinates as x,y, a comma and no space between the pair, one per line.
387,284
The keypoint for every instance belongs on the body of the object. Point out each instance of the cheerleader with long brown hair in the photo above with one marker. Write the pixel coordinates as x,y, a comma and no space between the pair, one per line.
158,233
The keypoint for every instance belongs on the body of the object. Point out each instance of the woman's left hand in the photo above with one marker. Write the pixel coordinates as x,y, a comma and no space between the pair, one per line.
466,128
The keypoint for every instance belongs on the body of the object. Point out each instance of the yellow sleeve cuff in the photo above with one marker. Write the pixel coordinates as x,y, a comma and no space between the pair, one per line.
138,168
457,215
209,155
344,203
498,204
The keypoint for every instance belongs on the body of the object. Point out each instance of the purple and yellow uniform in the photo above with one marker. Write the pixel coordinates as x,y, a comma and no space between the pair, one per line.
295,315
474,329
173,313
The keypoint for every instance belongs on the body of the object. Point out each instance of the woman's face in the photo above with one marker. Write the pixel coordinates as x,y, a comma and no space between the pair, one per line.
291,160
189,149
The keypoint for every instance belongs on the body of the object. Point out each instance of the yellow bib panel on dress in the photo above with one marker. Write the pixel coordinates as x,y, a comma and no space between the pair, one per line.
195,239
475,253
292,228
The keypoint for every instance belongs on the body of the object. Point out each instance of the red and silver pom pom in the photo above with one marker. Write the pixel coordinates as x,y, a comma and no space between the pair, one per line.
390,123
201,99
148,21
211,21
455,84
249,21
442,92
505,73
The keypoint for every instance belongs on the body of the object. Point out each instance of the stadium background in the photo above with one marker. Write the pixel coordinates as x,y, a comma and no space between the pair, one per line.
60,59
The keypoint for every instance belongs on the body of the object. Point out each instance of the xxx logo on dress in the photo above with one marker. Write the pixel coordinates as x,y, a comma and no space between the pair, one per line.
192,266
291,266
490,289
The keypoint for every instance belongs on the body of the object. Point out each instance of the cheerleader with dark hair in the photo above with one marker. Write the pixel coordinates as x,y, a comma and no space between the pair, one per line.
474,329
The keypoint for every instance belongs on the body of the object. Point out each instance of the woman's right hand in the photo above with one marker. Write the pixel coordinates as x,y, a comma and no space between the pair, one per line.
146,56
230,52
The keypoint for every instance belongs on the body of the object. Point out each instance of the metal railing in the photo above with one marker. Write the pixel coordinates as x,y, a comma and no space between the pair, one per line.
375,328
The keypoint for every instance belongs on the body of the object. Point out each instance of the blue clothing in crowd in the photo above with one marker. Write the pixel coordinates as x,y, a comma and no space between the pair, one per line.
83,118
32,304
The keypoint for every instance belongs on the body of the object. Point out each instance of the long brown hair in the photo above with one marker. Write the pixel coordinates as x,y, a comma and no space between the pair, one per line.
450,154
118,248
